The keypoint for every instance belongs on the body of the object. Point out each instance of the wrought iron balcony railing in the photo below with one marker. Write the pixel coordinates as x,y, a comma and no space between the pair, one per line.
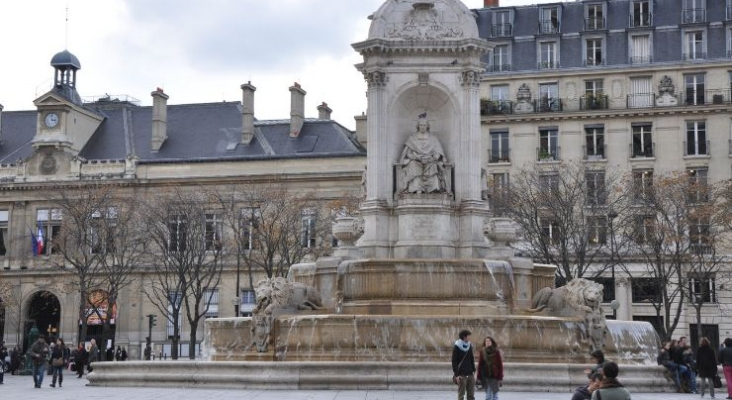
499,67
693,15
548,65
640,59
544,154
500,156
596,102
638,150
549,27
548,104
502,30
694,55
594,24
593,152
496,107
640,20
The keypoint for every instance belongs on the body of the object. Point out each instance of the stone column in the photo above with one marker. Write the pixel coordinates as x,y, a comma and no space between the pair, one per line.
375,241
624,297
473,210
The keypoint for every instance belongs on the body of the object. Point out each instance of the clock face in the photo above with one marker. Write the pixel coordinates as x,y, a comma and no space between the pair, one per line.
51,120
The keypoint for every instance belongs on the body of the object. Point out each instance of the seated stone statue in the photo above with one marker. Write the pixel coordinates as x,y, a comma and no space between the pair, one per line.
423,161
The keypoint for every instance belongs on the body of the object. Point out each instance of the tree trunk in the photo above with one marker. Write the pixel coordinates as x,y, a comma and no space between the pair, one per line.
192,343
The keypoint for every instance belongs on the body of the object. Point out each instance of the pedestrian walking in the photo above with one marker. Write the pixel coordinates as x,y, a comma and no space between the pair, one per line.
463,366
490,368
57,362
39,357
706,364
80,359
725,357
124,354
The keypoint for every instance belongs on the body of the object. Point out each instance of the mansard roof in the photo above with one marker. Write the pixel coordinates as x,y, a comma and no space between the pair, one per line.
205,132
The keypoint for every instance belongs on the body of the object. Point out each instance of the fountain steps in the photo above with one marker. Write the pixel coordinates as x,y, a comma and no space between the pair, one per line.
519,377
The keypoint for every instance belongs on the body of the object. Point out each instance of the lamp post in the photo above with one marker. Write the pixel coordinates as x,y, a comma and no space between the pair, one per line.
614,304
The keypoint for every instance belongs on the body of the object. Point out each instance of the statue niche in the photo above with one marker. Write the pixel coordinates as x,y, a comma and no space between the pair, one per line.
423,166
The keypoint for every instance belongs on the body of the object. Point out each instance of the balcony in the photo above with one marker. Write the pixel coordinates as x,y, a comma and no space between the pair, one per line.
705,97
640,59
693,15
639,151
548,65
548,104
696,148
694,55
496,107
597,102
502,30
551,27
591,62
499,156
499,67
593,154
641,100
544,154
641,20
594,24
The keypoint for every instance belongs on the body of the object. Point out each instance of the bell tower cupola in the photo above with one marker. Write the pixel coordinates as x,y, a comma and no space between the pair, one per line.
65,66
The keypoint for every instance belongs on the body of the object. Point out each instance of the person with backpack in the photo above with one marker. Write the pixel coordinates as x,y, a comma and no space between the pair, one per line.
463,366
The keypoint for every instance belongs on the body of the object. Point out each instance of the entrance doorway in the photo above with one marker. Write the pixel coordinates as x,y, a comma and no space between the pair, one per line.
45,312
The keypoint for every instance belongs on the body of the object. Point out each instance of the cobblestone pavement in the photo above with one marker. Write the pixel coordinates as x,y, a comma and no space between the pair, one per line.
21,388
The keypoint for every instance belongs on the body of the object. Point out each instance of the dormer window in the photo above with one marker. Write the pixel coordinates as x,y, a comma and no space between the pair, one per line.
502,24
549,20
641,14
694,11
594,17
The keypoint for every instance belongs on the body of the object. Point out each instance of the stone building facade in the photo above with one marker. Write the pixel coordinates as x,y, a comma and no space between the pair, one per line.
69,140
620,85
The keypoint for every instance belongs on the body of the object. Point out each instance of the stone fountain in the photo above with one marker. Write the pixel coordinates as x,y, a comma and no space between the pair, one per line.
422,260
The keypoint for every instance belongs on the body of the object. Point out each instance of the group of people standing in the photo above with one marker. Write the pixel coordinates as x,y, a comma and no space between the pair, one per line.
604,384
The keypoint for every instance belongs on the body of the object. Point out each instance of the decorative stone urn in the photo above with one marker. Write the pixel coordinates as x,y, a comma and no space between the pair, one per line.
523,97
501,231
347,230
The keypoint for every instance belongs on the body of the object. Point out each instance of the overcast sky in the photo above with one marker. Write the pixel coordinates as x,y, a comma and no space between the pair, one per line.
197,51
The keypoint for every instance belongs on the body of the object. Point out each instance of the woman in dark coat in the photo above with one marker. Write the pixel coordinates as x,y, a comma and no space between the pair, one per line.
706,365
80,359
490,368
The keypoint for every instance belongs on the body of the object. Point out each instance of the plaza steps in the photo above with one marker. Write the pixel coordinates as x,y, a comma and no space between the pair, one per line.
519,377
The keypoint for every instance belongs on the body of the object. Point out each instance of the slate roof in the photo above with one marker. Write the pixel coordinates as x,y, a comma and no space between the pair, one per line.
196,133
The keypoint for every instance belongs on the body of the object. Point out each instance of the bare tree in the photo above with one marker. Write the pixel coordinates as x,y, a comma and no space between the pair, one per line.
185,250
563,212
80,208
673,230
274,227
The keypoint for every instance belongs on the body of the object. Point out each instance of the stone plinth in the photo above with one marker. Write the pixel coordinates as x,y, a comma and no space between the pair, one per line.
425,226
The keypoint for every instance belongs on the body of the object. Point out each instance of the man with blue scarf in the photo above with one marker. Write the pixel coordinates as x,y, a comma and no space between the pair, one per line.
463,366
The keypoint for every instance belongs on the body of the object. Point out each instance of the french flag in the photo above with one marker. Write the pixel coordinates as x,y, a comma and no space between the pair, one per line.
37,241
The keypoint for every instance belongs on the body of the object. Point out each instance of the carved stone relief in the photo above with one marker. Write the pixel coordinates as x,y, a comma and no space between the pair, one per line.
470,79
376,79
666,90
523,100
423,23
49,166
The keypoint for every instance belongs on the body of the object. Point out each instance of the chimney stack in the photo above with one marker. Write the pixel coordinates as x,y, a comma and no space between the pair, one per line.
159,119
491,3
247,113
297,109
361,132
324,111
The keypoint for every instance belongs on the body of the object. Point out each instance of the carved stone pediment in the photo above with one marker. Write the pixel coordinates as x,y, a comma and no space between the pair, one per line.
423,23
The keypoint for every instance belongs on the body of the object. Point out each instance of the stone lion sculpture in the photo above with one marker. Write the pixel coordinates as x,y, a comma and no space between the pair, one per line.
579,295
279,293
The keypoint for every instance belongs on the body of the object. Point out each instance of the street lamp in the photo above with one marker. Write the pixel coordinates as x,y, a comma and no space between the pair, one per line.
614,304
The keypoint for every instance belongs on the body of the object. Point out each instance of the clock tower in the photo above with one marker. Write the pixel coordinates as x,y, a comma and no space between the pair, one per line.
63,124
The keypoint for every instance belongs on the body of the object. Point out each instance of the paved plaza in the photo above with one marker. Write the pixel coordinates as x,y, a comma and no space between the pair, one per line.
21,388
